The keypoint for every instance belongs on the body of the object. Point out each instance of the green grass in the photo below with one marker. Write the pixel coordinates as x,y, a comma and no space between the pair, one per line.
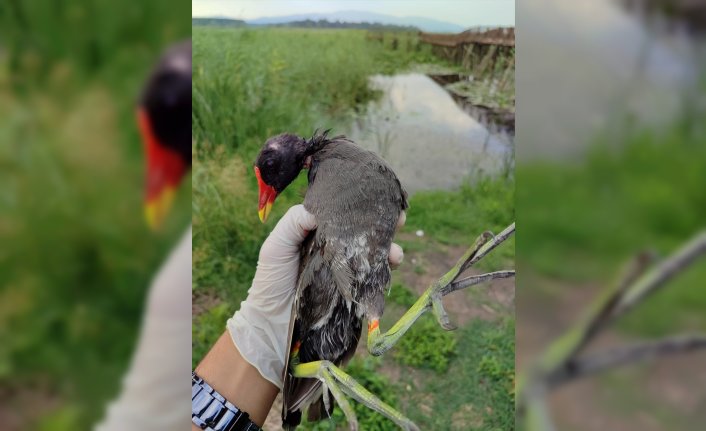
477,391
76,256
583,221
425,345
458,217
400,295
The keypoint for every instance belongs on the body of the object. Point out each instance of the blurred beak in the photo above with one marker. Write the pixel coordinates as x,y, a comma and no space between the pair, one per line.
165,169
267,197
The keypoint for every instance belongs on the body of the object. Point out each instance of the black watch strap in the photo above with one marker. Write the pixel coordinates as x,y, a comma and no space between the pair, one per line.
211,412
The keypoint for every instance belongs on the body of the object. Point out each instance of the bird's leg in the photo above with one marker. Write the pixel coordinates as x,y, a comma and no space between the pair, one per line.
338,382
379,343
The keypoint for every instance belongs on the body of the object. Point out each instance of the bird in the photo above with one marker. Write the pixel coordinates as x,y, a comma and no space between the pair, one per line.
164,119
357,200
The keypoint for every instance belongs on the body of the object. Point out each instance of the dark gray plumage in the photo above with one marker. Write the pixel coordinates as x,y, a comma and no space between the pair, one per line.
344,272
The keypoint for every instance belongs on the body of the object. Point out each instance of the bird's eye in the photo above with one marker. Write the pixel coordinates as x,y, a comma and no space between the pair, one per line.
270,163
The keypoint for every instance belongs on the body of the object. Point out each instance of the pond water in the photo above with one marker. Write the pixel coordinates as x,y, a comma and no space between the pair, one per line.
429,141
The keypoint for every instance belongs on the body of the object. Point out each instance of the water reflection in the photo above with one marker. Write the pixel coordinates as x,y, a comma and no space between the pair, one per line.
430,142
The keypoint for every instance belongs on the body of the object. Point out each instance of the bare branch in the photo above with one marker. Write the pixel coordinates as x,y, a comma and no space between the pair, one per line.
619,356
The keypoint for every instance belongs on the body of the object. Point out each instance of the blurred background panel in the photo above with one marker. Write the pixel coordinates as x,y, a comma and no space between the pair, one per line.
611,162
76,255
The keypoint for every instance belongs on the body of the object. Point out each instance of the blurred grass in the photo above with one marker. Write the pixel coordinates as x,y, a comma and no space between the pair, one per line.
76,257
250,84
584,220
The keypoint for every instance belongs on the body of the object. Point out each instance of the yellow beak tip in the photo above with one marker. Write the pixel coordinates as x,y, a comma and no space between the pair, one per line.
152,217
157,209
264,212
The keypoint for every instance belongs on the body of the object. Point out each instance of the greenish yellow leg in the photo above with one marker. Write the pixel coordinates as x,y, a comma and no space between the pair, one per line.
316,370
337,380
379,343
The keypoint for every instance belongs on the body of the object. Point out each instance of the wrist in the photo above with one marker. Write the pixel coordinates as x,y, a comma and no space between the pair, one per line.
211,411
228,373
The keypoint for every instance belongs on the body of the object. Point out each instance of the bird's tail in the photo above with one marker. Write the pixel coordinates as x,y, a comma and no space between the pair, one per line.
292,420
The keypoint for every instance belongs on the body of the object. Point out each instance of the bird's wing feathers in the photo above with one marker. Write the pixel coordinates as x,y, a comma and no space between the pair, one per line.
356,199
297,391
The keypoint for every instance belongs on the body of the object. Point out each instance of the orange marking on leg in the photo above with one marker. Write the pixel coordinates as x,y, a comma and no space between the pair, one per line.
295,347
373,325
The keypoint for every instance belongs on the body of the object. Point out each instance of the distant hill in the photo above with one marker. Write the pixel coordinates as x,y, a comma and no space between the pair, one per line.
425,24
218,22
322,23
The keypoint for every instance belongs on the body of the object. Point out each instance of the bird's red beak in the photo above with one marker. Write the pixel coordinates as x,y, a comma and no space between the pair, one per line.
165,169
267,197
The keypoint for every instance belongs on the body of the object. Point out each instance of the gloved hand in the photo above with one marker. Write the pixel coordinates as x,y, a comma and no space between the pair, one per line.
260,328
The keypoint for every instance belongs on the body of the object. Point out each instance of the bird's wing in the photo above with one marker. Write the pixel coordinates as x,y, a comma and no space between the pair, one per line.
346,182
297,393
357,199
355,196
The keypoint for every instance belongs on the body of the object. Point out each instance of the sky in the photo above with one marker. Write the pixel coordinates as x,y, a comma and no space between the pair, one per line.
466,13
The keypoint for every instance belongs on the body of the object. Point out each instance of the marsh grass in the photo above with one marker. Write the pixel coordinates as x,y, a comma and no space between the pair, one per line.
250,84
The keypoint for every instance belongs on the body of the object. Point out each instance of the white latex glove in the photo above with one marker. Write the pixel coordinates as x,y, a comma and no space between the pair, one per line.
260,328
152,396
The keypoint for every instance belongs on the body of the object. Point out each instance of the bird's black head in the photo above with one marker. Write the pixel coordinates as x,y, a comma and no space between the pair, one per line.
277,165
281,160
166,101
164,118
